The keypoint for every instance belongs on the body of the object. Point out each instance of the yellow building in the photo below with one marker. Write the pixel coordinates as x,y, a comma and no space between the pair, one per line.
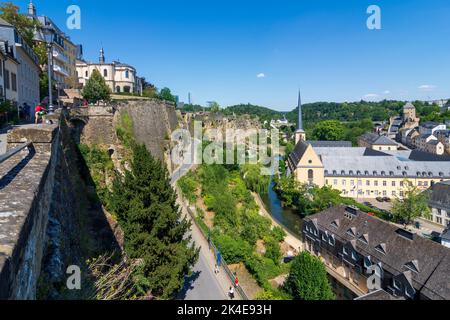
363,172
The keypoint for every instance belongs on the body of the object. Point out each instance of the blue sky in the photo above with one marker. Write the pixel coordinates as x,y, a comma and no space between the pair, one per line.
216,49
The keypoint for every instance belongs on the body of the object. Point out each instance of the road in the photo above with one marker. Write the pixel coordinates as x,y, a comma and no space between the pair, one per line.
203,284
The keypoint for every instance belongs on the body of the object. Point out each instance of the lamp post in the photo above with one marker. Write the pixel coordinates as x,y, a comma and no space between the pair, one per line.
48,34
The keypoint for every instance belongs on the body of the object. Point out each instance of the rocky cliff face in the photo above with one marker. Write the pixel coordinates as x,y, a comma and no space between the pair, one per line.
152,120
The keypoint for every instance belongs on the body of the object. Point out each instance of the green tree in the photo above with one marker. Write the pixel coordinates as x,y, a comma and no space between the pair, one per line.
155,232
25,26
414,205
330,130
96,89
214,106
166,94
308,279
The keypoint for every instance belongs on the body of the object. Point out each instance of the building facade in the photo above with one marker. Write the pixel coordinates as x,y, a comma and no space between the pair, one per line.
377,142
440,203
8,74
26,79
375,259
64,51
364,173
120,77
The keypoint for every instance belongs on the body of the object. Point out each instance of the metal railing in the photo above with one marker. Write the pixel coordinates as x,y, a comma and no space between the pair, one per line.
214,249
13,152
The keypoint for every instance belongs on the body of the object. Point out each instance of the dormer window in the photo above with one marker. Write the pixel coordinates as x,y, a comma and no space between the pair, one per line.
343,172
381,248
413,266
354,257
364,238
383,173
335,223
367,262
375,173
332,240
405,173
351,232
391,173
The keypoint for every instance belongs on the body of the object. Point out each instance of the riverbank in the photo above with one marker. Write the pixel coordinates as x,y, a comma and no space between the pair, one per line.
292,240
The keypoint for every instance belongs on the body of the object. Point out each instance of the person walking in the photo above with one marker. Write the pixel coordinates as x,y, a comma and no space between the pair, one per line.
216,269
231,293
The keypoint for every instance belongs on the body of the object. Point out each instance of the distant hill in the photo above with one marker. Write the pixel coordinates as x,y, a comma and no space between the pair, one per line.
320,111
263,113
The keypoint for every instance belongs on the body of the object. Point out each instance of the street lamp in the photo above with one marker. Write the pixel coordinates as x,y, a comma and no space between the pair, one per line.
48,35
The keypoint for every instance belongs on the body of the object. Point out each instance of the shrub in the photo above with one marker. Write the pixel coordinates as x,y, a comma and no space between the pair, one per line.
233,250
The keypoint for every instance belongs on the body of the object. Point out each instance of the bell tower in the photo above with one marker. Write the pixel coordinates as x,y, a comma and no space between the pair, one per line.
32,9
300,134
102,56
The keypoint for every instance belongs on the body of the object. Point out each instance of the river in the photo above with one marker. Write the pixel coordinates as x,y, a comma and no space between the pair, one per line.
288,218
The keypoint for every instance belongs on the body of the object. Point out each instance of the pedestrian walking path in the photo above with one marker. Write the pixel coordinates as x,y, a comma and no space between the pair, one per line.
205,284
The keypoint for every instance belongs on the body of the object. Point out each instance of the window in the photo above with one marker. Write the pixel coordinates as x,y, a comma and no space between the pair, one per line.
384,183
7,83
368,183
393,183
375,183
105,73
14,82
344,182
87,74
127,74
335,182
118,89
439,220
345,251
310,175
398,285
332,241
384,193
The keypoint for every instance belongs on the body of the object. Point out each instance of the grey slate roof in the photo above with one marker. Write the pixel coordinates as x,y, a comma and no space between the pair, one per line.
379,295
440,195
374,138
431,125
432,259
330,144
296,155
361,162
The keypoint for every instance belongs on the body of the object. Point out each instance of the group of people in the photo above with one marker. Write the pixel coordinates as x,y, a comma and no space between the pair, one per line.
231,293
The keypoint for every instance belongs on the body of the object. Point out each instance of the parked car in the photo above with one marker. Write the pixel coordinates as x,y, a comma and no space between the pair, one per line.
380,199
368,204
386,199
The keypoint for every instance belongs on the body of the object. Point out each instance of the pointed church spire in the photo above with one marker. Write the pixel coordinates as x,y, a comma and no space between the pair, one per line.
300,135
300,116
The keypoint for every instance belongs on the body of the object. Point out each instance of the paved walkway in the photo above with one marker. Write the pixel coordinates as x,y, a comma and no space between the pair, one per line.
204,284
3,143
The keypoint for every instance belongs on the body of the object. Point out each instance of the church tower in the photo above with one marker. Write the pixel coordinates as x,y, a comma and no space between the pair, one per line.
31,9
102,56
300,134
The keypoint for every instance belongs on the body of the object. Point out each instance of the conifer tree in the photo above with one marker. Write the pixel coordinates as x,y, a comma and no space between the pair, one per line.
155,232
96,88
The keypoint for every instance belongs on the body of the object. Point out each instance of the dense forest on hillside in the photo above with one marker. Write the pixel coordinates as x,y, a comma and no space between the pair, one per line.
343,112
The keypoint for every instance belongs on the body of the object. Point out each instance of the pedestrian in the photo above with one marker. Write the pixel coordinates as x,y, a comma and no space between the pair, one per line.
236,282
40,113
216,269
231,293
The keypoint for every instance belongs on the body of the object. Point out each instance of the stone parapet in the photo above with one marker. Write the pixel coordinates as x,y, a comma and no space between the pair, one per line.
41,136
27,183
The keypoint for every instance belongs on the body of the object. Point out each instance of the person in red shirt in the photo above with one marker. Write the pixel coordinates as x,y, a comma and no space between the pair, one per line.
40,113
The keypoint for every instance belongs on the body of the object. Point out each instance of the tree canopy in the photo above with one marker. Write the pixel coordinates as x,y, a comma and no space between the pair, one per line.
330,130
166,94
25,26
308,279
155,232
414,205
96,88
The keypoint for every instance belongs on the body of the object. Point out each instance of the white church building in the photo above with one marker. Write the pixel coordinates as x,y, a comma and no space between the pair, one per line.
120,77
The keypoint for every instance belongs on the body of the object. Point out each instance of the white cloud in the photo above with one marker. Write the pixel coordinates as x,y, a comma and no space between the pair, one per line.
371,96
427,87
386,92
261,75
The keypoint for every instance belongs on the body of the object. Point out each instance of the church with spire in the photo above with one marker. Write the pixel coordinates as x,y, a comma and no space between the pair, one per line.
120,77
360,172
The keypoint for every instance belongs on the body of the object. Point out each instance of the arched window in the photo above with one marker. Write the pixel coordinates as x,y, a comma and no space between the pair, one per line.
118,89
311,175
127,89
87,74
127,74
105,73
